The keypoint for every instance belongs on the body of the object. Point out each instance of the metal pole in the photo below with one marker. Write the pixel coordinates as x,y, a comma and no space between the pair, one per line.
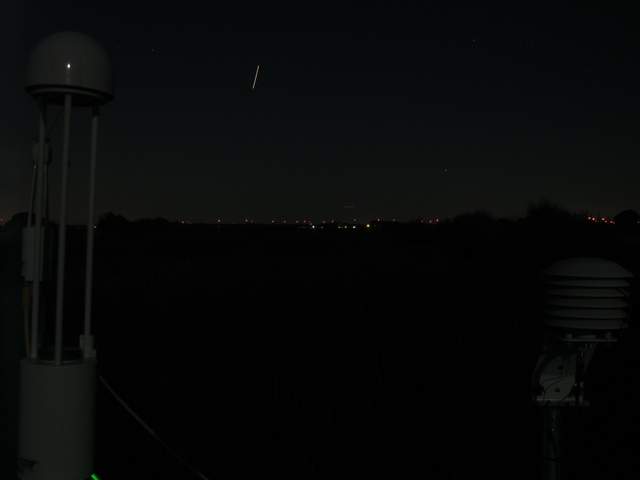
47,218
62,230
33,187
551,443
27,289
35,312
87,343
45,215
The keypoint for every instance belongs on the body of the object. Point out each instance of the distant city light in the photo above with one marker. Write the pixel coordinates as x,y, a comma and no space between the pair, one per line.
606,220
368,225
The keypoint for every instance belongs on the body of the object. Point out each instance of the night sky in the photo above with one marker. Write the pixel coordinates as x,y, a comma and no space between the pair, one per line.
359,111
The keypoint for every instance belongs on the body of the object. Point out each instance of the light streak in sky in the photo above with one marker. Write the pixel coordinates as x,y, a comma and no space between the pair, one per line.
253,86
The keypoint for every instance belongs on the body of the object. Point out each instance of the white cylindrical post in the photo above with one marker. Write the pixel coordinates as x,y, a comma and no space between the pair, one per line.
57,398
62,230
87,341
35,311
56,420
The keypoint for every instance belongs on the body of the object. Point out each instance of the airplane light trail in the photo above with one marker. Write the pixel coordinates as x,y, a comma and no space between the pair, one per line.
253,87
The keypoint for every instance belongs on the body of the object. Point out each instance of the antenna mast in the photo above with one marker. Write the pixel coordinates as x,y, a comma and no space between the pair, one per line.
68,70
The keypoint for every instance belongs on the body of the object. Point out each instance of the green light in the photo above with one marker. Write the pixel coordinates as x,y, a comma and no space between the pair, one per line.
94,477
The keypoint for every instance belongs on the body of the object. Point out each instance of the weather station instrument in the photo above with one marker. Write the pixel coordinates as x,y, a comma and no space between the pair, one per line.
68,71
586,305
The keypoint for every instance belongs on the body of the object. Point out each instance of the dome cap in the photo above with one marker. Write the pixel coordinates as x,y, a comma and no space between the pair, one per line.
70,62
588,267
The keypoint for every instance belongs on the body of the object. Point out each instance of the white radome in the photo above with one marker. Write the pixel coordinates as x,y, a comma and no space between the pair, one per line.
70,62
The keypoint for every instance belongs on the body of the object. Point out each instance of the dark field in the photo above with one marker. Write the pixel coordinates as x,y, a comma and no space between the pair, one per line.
396,352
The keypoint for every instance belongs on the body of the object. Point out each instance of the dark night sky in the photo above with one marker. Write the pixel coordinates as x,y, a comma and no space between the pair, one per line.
398,111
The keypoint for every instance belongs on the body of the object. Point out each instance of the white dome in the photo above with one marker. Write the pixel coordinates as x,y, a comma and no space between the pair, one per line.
70,62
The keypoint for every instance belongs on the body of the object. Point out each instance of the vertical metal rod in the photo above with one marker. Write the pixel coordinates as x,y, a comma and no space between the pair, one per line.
35,312
33,186
87,344
551,444
45,211
62,231
47,216
43,235
46,189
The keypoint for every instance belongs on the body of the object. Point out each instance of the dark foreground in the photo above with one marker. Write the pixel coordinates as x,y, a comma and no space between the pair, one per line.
397,353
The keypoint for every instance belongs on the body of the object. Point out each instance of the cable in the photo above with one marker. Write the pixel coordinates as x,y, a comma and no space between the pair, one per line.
150,431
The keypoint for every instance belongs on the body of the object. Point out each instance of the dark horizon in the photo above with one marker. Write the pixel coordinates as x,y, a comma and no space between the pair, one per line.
543,212
545,206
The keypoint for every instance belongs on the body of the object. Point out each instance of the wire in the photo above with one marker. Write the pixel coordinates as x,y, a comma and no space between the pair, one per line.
150,431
